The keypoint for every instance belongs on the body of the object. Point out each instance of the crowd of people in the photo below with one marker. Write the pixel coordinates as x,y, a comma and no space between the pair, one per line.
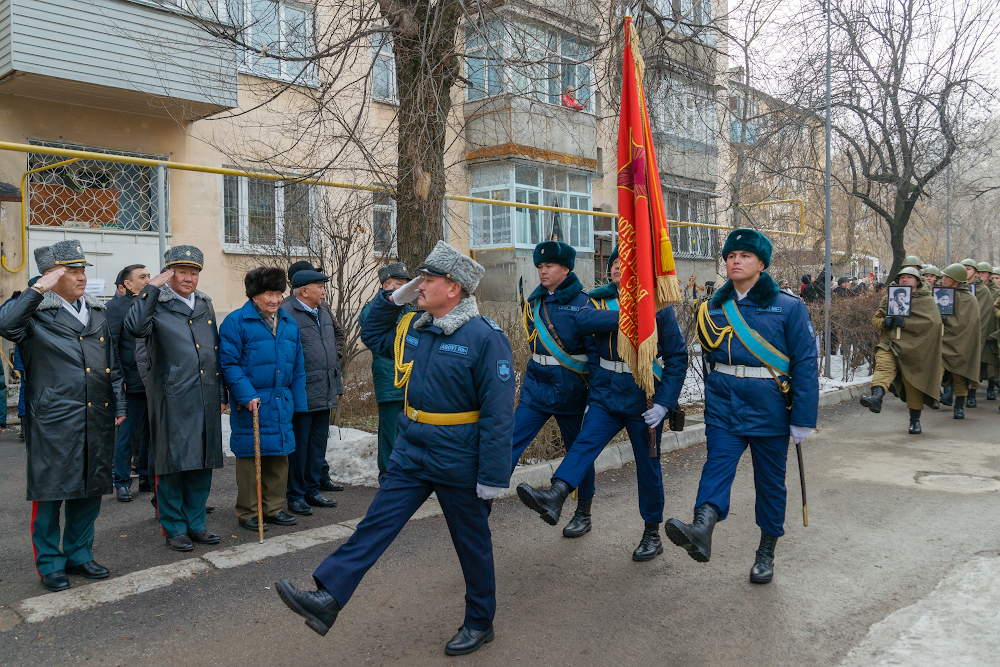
148,376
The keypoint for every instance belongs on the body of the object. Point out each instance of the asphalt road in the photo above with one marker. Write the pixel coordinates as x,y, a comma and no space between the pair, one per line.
891,517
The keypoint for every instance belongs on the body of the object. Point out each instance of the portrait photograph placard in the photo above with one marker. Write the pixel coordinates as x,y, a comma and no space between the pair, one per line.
899,300
972,289
944,297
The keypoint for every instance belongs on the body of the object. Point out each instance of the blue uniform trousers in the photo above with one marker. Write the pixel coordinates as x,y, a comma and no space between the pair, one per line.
136,424
77,537
528,422
400,495
388,413
181,498
769,454
599,426
312,429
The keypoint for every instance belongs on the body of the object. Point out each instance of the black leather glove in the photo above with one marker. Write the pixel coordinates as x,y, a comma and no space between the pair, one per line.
887,322
900,321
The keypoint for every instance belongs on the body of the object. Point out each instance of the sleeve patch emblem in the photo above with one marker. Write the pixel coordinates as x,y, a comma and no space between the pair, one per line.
503,370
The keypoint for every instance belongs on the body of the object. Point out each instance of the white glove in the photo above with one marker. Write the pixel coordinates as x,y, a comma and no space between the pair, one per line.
654,415
800,433
408,292
488,492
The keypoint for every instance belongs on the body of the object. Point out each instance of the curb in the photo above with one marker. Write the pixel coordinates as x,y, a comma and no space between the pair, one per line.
614,456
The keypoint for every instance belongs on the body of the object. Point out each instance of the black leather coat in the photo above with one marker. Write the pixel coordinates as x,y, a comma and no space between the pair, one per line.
73,398
185,388
116,311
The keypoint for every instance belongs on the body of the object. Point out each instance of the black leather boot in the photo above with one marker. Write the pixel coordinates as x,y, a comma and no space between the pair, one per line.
547,502
874,402
960,407
650,545
318,607
991,393
696,537
763,567
970,400
947,396
579,525
914,422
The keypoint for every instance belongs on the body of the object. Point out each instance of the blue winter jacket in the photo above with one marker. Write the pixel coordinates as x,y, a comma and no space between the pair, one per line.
554,389
258,364
617,392
470,369
755,406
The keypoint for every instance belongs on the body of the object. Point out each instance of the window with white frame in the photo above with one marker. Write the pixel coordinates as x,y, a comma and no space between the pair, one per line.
276,30
384,224
259,213
692,17
683,110
498,226
384,86
689,207
484,51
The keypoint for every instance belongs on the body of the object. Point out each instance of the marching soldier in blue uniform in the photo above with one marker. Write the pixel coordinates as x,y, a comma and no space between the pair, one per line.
453,438
761,384
616,402
555,382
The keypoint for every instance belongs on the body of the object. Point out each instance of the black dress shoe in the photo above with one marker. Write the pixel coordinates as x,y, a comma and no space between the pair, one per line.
180,542
650,545
251,524
318,608
55,581
547,502
281,518
209,509
319,501
468,641
695,537
580,524
204,537
144,486
90,570
763,567
328,485
299,507
123,494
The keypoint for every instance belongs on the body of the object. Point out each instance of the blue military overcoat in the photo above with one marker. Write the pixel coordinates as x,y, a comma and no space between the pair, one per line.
469,369
752,406
617,392
554,389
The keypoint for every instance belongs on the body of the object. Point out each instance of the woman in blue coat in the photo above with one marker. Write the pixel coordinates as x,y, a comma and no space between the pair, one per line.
261,356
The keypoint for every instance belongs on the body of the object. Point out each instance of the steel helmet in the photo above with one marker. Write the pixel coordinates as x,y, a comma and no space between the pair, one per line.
984,267
956,272
932,270
968,261
908,271
996,270
912,260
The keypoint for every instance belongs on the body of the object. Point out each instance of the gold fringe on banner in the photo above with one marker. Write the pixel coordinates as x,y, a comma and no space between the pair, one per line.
640,361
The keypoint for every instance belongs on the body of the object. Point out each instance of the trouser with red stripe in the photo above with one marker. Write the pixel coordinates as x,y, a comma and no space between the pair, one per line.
77,536
181,498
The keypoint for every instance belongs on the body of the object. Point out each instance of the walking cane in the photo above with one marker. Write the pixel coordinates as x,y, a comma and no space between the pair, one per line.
256,457
802,479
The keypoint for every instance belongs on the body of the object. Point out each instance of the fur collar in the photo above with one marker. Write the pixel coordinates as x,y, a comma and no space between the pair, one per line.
51,300
566,291
763,293
606,291
453,321
169,295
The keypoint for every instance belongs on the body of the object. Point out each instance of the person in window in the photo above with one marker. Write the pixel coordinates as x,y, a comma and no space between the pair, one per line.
570,102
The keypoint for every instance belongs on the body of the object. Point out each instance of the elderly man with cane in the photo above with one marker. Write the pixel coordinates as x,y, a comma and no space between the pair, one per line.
186,394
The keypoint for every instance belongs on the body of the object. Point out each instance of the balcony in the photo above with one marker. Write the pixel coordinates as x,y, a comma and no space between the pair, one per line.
126,55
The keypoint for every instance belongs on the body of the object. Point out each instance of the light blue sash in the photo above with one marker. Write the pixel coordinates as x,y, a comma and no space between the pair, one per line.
561,356
754,342
657,369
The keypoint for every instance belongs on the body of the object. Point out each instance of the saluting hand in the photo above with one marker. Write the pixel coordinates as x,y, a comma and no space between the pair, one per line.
408,292
49,280
161,279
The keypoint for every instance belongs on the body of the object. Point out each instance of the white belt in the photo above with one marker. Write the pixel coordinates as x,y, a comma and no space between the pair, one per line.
744,371
545,360
621,366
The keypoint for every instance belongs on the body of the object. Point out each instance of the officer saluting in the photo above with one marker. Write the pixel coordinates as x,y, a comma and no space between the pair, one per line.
186,393
617,402
755,341
453,438
555,382
75,399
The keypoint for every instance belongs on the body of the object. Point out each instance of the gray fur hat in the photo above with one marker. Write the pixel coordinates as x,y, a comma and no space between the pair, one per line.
447,262
68,253
184,255
394,270
44,258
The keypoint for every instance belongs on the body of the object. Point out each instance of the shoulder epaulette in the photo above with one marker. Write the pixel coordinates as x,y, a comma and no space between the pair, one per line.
492,323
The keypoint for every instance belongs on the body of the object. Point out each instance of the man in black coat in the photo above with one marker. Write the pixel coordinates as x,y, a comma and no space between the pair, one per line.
185,391
75,400
132,278
323,384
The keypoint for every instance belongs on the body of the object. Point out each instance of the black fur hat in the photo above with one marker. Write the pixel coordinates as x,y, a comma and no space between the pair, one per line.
265,279
555,252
